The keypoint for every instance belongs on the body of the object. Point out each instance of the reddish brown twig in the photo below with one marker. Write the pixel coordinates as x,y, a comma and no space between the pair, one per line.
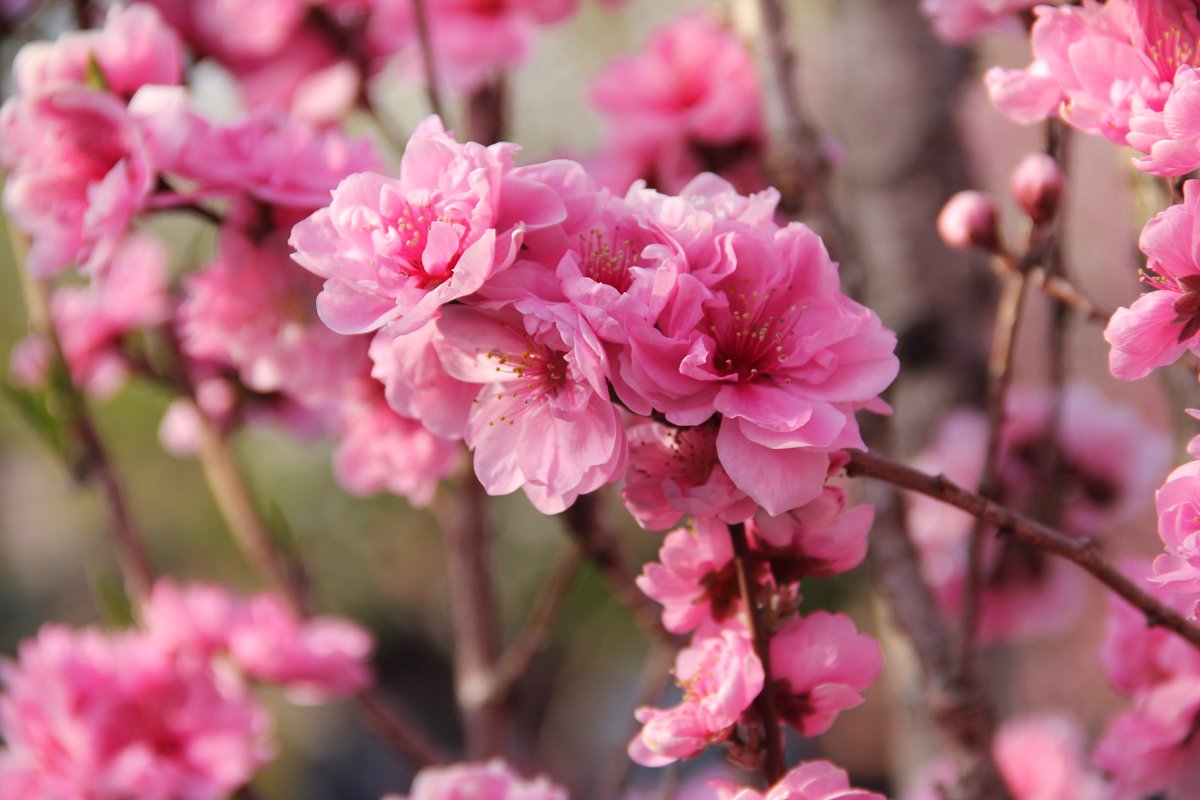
467,535
428,57
94,461
1081,552
774,766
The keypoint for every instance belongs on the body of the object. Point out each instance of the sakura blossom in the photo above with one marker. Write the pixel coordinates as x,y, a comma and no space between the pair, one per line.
493,779
1160,325
720,676
963,21
809,780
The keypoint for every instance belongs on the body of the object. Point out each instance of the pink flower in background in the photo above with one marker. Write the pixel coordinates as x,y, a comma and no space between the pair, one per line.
491,780
809,780
312,659
1112,59
1137,656
695,581
379,450
689,103
673,472
821,665
1165,322
80,171
963,20
720,677
1152,747
1043,758
253,309
542,420
1024,95
394,249
234,30
274,158
93,321
1107,457
195,618
114,716
134,48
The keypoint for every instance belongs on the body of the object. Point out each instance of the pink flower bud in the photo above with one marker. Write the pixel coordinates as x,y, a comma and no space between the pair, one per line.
1037,184
969,220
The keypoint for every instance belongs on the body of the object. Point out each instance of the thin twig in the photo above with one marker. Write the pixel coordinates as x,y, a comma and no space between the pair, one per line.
381,711
1081,552
517,658
602,548
1000,371
467,535
774,766
253,535
485,111
95,462
428,56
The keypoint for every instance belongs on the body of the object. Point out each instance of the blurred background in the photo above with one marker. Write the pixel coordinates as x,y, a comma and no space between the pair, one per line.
911,125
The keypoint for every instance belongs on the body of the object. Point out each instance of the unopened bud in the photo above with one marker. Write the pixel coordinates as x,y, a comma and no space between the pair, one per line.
969,220
1037,184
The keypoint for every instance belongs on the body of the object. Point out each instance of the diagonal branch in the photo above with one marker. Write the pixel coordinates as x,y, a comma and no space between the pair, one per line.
1081,552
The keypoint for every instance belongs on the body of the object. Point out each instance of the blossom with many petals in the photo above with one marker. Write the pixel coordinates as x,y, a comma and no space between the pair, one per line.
963,20
720,676
695,581
491,780
1165,322
821,665
809,780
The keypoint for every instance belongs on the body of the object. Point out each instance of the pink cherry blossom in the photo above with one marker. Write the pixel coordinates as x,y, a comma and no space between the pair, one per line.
274,158
1178,503
695,581
1112,59
1135,655
777,350
962,20
80,171
819,539
234,30
720,676
689,103
675,471
1024,95
821,665
380,450
93,321
1042,758
491,780
312,659
809,780
1152,747
542,421
394,249
134,48
1165,322
113,716
253,309
1170,137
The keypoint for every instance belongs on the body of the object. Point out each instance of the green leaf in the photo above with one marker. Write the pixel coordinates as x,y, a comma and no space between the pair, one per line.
36,407
111,600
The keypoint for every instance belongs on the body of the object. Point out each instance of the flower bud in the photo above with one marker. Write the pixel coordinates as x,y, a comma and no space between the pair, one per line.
1037,184
969,220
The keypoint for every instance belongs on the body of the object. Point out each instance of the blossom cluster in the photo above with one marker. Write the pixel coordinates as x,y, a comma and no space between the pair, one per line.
166,709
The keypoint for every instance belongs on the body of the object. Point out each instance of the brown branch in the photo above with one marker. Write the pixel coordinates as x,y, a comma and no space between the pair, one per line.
428,57
1000,371
382,712
1081,552
517,658
94,461
467,535
774,766
485,111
